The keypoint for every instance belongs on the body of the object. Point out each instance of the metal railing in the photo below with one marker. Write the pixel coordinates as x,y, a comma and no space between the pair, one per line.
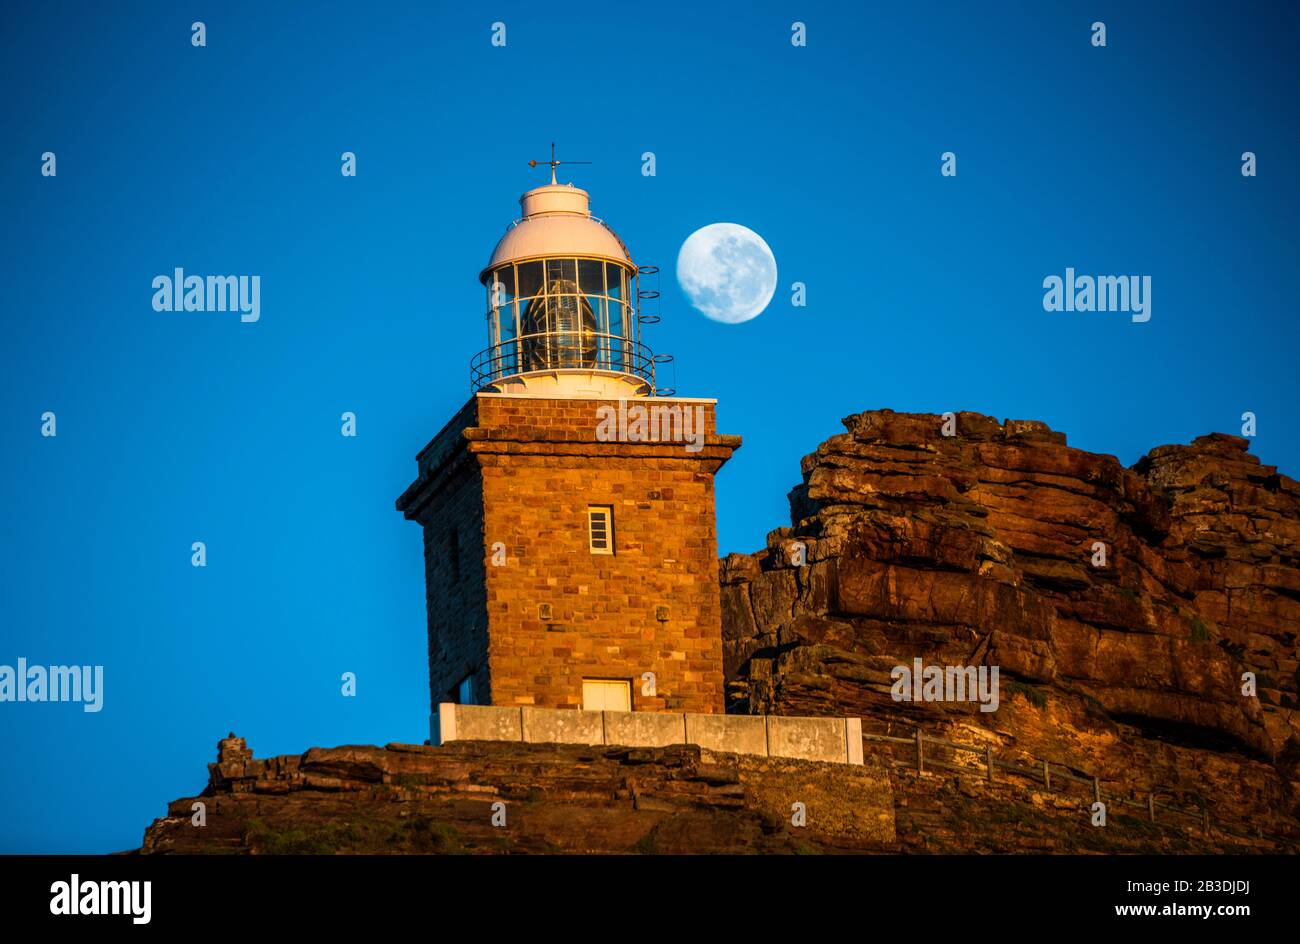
557,350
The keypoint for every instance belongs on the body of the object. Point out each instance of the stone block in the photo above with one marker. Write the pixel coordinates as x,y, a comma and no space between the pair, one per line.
740,734
475,723
562,726
807,738
644,728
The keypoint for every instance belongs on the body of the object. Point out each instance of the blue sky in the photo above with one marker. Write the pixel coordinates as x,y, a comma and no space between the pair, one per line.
924,293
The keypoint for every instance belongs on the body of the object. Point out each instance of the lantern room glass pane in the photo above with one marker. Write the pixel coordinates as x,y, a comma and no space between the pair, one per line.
614,278
501,289
617,346
564,271
591,277
597,306
616,319
530,279
502,320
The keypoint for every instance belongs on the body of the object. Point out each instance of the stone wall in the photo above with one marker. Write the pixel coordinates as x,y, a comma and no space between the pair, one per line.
456,589
555,613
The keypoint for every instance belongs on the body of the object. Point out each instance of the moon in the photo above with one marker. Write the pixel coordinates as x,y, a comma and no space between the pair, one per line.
727,271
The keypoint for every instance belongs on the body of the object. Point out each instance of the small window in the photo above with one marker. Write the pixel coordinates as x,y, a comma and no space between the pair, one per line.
465,691
606,695
600,529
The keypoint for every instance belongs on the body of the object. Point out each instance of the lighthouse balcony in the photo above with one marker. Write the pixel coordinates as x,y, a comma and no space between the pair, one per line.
554,353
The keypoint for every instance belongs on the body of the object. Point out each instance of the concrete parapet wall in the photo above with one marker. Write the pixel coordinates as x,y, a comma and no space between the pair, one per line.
836,740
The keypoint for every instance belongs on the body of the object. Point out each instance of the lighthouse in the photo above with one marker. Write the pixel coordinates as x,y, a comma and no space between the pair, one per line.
570,541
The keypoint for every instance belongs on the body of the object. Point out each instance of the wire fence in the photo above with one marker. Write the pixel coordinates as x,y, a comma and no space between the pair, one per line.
1047,773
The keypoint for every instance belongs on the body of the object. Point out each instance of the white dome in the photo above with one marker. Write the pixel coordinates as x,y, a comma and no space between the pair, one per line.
557,222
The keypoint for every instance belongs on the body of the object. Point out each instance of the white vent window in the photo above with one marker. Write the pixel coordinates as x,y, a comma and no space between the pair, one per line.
600,529
606,695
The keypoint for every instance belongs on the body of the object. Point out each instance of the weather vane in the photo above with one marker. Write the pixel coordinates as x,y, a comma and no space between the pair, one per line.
554,163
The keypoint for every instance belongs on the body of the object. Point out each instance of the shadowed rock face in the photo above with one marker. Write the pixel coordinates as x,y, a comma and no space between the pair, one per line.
978,549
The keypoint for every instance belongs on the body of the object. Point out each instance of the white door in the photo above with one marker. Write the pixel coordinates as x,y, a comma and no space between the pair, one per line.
606,695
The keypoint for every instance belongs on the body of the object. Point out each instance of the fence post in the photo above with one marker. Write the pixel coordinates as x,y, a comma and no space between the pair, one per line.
1047,776
988,760
920,753
1151,806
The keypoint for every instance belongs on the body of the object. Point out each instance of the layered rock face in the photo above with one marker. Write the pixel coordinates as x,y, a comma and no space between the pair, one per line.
498,797
986,548
511,797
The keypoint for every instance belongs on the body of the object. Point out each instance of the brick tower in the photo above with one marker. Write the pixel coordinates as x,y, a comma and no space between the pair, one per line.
570,543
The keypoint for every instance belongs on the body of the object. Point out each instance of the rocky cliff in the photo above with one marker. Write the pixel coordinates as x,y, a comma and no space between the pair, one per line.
498,797
493,797
1122,605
